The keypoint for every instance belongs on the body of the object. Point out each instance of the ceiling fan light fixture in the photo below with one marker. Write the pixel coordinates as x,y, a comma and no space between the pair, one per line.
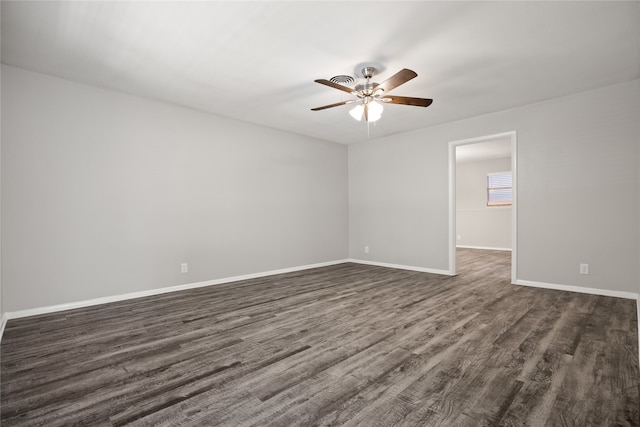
375,111
357,112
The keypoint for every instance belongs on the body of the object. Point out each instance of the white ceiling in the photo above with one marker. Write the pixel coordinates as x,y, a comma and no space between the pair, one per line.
256,61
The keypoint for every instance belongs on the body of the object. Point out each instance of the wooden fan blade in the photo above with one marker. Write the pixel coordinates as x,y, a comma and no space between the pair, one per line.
396,80
337,104
406,100
366,112
334,85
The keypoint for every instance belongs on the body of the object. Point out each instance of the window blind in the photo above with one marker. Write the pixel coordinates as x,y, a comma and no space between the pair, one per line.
499,189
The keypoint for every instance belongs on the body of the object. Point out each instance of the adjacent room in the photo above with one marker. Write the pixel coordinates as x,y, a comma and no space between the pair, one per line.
319,213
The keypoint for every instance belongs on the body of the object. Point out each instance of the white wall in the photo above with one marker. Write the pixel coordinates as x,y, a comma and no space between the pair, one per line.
479,225
1,298
578,190
105,194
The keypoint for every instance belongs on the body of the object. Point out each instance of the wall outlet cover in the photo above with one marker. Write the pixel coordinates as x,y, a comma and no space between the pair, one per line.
584,268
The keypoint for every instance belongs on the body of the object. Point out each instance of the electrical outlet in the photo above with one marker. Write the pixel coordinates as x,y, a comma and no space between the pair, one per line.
584,268
459,237
366,249
184,267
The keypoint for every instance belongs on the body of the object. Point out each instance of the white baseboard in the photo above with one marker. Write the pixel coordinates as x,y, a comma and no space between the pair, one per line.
151,292
3,323
580,289
638,319
401,267
483,247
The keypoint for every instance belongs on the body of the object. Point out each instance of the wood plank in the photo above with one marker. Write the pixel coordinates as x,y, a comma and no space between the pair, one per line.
341,345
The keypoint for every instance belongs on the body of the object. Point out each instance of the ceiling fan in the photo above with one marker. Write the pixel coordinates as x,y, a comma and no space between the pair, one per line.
370,96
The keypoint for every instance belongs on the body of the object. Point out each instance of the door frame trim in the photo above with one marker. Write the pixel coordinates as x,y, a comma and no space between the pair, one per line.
452,197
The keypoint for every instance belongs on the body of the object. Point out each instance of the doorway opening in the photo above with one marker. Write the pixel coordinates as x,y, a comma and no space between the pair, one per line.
479,215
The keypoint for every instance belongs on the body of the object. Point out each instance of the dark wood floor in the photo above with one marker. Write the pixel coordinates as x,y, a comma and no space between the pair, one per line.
341,345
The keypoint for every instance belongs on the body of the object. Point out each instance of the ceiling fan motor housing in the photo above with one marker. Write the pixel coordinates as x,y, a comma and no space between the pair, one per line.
366,89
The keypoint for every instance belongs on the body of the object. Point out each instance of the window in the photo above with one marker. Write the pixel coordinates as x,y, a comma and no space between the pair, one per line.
499,189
